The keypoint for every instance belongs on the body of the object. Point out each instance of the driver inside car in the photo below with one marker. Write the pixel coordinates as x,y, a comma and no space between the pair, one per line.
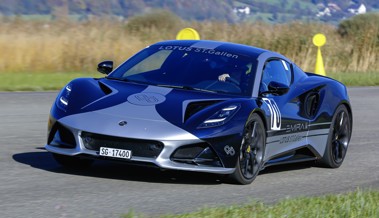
235,73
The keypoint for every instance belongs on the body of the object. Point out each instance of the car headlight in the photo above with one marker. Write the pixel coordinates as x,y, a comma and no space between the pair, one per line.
220,117
63,97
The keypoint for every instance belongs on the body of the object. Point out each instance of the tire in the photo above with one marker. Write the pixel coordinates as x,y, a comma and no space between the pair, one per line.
338,139
72,162
250,158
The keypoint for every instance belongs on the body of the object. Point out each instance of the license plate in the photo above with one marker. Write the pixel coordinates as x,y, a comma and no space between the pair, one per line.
113,152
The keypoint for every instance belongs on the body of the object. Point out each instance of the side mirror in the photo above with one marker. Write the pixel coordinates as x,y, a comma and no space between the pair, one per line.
276,88
105,67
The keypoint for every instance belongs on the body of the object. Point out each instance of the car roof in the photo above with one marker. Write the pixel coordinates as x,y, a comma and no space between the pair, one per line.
219,45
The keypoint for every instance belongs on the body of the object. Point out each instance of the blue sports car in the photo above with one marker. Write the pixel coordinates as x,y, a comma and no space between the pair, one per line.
204,106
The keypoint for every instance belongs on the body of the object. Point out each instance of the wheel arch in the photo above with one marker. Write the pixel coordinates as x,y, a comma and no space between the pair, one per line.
261,114
349,109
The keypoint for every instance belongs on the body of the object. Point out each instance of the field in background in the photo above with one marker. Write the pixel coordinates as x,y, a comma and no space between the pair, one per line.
41,47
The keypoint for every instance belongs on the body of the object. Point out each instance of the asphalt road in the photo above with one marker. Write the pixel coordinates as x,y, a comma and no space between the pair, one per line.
32,184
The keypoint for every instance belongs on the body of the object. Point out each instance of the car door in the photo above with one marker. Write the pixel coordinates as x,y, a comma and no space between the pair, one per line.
286,127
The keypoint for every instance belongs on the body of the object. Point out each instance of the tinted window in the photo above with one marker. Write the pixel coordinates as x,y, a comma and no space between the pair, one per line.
276,70
152,62
190,67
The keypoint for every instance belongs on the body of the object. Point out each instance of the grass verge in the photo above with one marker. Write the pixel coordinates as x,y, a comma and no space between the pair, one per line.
357,79
363,204
38,81
55,81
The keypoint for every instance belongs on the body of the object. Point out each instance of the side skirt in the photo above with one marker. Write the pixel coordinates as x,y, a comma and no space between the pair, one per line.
302,154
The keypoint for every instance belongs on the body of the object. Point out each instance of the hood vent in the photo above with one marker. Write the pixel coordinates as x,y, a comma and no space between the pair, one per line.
194,107
105,88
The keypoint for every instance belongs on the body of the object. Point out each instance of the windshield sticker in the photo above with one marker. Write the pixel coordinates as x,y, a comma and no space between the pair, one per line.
199,50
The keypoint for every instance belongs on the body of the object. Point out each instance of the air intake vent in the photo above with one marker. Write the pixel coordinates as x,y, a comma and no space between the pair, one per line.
61,137
196,154
311,104
105,88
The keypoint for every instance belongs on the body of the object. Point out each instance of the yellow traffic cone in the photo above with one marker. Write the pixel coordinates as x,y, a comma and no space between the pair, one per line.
319,40
319,69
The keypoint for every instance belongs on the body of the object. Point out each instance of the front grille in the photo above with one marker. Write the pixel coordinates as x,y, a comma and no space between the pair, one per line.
139,147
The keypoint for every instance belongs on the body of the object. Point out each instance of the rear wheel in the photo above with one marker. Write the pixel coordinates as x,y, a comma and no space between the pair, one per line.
251,154
72,162
338,139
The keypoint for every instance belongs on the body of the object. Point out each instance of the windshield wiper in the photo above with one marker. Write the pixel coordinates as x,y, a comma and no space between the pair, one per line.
129,80
176,87
118,79
161,85
185,88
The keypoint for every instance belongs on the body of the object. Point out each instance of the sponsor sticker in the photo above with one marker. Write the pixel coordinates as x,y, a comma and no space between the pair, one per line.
229,150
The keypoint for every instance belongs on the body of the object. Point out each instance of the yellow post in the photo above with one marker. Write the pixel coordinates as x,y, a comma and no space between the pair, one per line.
188,33
319,40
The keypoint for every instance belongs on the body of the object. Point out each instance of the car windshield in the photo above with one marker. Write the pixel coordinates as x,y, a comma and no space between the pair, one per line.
190,68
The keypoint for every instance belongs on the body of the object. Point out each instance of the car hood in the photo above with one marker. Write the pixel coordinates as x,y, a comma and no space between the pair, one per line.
115,107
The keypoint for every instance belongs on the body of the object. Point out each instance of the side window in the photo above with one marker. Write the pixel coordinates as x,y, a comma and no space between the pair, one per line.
276,70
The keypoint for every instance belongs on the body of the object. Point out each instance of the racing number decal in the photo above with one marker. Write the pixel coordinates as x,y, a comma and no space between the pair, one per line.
276,117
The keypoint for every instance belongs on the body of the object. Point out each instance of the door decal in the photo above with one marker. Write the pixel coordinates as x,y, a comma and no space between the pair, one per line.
276,117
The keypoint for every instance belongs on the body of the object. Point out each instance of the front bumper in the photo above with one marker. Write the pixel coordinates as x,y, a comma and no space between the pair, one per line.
73,142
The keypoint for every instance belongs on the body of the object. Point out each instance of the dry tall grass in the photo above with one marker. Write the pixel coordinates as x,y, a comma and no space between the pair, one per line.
62,46
31,46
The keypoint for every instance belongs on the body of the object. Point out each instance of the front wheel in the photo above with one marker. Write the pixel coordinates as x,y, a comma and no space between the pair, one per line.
338,139
252,151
